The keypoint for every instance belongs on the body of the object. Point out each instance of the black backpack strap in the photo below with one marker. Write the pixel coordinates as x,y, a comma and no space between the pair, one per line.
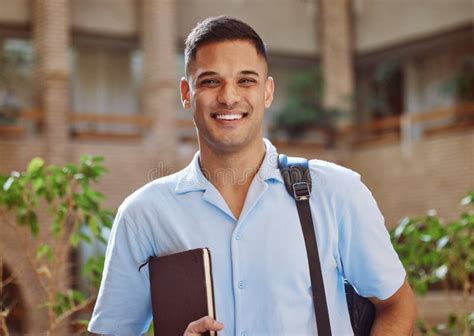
296,174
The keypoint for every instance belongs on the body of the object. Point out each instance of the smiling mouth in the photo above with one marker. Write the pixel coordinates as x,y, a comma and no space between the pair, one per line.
228,117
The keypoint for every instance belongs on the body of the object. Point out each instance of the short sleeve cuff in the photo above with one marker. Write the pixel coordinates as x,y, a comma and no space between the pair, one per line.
391,288
113,330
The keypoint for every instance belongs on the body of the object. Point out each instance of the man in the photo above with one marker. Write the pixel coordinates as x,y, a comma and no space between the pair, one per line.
231,198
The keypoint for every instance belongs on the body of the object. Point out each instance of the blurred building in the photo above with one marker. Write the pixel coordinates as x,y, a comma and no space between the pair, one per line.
101,77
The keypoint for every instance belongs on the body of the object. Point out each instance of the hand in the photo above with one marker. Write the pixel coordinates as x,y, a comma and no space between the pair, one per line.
202,325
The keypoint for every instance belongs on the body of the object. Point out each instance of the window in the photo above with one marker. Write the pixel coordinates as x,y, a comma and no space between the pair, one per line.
105,81
386,86
16,78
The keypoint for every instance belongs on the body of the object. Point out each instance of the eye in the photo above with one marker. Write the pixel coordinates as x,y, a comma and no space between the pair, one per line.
209,82
247,81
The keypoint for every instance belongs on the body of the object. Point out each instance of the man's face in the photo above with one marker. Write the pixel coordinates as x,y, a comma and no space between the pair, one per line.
228,90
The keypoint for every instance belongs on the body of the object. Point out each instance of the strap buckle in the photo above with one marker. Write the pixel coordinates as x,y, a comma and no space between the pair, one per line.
301,191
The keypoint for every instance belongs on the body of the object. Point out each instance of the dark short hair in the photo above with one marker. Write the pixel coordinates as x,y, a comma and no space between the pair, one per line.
219,29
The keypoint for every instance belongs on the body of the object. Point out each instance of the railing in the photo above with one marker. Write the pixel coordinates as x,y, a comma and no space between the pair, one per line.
404,126
462,114
382,129
92,126
387,129
454,117
127,127
82,125
18,126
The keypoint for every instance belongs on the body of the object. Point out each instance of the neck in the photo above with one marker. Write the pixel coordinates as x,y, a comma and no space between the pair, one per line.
232,169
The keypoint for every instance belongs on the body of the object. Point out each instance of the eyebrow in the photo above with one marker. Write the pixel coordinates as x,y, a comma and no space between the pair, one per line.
206,73
249,72
213,73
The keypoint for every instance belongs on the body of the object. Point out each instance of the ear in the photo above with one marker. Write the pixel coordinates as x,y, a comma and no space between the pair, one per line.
185,93
269,89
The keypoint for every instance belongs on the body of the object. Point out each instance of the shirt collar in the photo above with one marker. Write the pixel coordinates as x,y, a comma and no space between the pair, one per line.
193,179
269,167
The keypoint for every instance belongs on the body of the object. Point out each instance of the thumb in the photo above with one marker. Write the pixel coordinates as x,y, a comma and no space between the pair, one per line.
202,325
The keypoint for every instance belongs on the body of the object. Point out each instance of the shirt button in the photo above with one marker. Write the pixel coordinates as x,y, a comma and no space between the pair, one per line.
244,333
242,284
238,236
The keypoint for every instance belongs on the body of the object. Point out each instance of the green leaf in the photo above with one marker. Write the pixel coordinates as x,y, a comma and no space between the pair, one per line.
75,239
33,223
21,215
62,303
94,195
102,239
76,296
55,227
98,170
85,160
92,270
38,185
93,225
43,250
84,237
107,218
84,323
70,168
35,166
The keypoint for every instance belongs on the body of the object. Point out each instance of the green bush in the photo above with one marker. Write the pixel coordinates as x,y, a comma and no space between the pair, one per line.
75,215
438,254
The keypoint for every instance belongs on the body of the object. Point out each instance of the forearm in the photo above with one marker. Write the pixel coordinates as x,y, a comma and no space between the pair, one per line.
396,317
396,321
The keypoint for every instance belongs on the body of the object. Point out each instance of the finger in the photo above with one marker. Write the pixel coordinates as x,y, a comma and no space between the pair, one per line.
204,324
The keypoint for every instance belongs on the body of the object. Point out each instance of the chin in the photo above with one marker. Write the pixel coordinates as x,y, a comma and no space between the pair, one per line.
229,146
224,145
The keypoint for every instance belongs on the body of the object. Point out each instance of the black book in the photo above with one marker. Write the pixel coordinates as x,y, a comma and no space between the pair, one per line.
181,290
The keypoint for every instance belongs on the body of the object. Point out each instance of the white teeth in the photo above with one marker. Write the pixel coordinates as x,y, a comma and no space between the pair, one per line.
229,116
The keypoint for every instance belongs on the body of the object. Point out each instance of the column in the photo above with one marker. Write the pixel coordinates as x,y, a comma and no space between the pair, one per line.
335,40
160,86
51,20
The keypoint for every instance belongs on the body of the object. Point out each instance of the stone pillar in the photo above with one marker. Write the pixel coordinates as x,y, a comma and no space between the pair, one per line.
51,20
335,40
160,84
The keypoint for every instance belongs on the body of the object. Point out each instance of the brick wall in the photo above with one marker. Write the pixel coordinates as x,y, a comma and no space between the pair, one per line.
434,174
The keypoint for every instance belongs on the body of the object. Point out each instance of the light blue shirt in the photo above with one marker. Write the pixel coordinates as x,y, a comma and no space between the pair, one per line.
259,264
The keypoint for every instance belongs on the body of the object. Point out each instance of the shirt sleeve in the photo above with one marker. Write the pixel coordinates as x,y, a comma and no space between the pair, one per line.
368,259
123,304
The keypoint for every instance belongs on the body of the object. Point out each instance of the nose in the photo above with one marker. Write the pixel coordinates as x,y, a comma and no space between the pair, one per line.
228,95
